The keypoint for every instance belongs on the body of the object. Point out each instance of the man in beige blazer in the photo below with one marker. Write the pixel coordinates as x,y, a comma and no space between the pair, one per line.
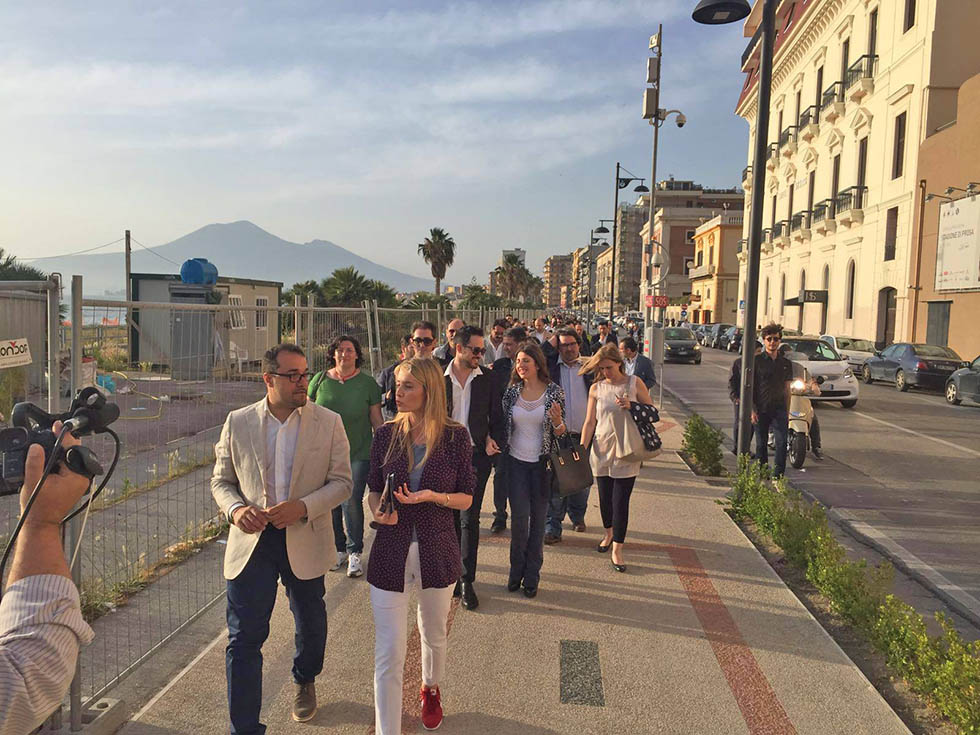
281,466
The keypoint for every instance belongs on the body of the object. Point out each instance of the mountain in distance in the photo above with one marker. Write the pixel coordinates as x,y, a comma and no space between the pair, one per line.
238,250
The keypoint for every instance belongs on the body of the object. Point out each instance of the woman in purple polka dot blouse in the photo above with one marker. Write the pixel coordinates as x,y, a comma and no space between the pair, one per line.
430,457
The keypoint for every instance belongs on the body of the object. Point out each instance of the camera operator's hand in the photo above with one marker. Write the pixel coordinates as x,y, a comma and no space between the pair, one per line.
60,492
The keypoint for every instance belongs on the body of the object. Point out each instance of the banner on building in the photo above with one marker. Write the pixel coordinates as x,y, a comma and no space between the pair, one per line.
958,248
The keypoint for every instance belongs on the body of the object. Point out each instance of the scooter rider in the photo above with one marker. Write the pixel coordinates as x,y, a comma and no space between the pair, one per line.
812,389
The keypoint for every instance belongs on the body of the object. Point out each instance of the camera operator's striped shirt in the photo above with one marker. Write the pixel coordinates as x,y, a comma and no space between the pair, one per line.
41,630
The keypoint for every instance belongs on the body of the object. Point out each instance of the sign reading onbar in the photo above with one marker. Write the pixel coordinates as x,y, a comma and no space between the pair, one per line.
14,352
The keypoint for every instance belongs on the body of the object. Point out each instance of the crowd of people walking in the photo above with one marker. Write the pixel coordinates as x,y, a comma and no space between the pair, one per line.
423,438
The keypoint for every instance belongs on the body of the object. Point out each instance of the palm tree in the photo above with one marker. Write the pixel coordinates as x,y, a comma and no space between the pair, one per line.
510,275
345,287
438,250
382,293
11,270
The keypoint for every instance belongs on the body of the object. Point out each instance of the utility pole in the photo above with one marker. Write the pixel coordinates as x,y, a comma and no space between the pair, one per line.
612,274
129,298
653,172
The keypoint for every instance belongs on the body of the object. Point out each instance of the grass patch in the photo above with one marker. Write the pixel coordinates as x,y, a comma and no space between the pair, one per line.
944,669
702,445
176,468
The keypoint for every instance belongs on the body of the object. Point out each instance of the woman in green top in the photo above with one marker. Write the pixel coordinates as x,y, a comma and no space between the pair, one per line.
357,398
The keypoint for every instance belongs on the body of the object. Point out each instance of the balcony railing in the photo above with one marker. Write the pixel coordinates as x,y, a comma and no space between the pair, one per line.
772,151
850,198
833,93
780,228
823,210
864,68
788,135
809,116
800,220
746,173
742,245
767,235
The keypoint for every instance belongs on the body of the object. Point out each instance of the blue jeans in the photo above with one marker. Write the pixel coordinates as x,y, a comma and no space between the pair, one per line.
350,513
574,505
528,495
778,419
251,597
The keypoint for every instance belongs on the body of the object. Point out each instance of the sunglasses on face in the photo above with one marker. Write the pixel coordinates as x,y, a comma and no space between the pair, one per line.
477,350
294,377
772,338
423,341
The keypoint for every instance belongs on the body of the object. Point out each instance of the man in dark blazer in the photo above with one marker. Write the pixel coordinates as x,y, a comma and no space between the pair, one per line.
470,394
500,377
445,353
564,370
637,364
604,337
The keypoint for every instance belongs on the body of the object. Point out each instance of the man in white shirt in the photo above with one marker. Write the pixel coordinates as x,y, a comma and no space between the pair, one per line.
541,332
281,466
564,371
473,402
495,342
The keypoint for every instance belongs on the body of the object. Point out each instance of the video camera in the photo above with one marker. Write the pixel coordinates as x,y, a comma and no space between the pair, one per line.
89,413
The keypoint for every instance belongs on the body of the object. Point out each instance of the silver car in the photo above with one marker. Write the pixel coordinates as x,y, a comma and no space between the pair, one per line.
852,349
823,361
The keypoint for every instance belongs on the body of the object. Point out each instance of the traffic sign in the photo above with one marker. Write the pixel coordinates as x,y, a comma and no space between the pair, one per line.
660,301
650,300
683,313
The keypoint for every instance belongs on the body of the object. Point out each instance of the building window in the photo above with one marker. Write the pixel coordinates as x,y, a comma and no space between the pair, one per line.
898,156
237,317
845,58
261,316
849,293
689,236
873,33
909,16
891,232
819,98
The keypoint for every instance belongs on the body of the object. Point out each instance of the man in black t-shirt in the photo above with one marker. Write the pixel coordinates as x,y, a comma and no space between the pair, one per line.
770,400
734,395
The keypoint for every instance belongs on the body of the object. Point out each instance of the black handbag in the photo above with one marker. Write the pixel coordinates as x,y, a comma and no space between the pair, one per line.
570,469
645,417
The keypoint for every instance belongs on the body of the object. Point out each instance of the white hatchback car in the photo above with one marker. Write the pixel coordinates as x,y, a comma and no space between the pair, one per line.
823,361
854,350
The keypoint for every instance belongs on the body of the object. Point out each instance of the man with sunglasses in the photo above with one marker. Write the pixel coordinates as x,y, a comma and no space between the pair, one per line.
770,399
445,353
423,341
281,466
473,401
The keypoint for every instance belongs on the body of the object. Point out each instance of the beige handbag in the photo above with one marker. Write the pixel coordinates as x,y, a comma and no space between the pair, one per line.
630,446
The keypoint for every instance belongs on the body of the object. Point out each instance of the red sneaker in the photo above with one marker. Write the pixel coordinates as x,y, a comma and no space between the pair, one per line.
431,708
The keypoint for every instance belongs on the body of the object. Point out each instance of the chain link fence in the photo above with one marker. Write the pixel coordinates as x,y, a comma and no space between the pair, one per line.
151,546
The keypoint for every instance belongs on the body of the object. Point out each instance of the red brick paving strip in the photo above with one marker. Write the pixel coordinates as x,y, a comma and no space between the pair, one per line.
758,703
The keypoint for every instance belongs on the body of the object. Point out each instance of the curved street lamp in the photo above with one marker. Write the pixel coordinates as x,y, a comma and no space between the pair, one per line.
714,12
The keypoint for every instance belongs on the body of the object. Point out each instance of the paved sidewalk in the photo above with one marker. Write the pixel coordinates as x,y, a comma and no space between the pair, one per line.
699,636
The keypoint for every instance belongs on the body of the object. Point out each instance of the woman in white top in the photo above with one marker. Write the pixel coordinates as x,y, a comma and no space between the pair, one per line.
610,396
534,409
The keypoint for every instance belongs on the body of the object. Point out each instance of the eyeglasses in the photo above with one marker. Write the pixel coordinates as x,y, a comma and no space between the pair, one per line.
294,377
772,338
477,350
423,340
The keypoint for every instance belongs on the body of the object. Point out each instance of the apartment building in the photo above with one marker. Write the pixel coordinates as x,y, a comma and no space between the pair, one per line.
857,86
557,272
714,273
584,275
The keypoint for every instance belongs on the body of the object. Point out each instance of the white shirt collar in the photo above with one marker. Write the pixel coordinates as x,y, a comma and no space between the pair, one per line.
267,411
451,374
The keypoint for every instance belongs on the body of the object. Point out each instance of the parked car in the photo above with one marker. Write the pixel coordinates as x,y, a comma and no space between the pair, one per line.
964,384
823,361
907,364
731,340
714,334
681,346
852,349
698,330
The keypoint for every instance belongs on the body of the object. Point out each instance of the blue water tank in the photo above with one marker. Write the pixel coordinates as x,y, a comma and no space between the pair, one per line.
199,271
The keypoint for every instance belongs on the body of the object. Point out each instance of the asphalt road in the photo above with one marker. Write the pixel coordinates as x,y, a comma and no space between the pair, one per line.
901,468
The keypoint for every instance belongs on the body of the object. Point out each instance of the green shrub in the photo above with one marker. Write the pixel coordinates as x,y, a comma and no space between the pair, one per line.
702,442
945,669
110,358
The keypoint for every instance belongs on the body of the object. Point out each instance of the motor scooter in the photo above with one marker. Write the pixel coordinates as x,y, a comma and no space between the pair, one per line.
800,417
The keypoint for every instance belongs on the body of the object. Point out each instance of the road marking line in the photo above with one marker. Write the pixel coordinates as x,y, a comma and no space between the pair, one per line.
916,433
223,635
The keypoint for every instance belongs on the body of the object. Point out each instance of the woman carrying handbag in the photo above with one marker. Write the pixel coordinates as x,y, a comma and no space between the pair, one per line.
607,422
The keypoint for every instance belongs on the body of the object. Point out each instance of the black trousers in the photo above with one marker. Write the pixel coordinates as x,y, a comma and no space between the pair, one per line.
468,521
614,504
499,488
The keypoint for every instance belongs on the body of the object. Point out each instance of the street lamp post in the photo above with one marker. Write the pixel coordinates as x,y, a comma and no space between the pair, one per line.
715,12
621,183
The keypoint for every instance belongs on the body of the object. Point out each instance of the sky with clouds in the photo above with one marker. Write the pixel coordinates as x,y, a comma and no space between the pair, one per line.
361,123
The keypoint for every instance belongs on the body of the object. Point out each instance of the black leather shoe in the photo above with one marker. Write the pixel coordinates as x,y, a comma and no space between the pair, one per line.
550,538
457,591
530,591
470,601
513,586
817,453
497,526
603,549
617,567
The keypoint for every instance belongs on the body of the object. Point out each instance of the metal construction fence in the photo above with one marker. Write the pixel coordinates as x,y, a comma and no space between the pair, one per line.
147,564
